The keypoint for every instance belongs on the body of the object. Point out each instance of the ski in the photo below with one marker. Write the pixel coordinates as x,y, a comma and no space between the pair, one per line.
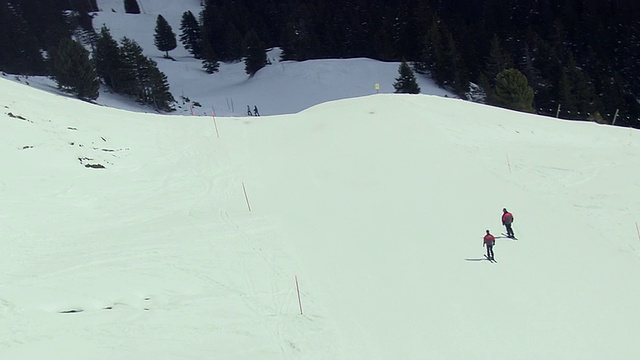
510,237
491,260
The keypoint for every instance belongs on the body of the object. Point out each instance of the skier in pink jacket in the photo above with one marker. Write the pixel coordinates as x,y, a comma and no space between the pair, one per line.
507,220
488,241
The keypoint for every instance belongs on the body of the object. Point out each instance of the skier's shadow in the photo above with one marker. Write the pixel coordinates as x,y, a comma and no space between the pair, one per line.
477,259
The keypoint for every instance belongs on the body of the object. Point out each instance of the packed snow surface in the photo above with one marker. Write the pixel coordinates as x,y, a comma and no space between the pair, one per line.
131,235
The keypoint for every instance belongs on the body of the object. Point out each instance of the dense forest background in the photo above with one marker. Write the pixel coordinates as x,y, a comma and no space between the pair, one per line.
578,56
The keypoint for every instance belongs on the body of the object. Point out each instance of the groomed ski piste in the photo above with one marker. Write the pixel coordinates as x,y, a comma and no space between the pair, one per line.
129,235
377,204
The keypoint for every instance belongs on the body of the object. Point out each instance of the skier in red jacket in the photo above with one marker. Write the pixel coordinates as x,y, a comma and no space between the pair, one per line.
489,241
507,219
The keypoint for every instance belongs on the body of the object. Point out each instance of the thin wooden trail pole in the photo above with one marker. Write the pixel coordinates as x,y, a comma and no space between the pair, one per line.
246,198
298,290
638,230
213,114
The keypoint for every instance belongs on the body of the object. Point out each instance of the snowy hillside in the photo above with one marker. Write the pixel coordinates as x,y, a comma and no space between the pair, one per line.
377,204
132,235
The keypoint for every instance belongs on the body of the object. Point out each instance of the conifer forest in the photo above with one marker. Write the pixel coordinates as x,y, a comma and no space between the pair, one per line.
580,58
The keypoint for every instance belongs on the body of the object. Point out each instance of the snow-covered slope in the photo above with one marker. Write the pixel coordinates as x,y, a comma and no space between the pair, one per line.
377,204
128,235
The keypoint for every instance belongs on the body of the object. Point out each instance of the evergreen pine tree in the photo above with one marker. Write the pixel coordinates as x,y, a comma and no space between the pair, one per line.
529,69
486,87
191,36
132,59
512,91
131,7
107,58
256,57
383,46
291,46
141,78
220,36
210,66
153,86
406,82
73,71
6,58
498,61
233,41
46,20
19,47
164,37
83,5
160,95
431,54
458,77
443,60
612,95
576,91
210,62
